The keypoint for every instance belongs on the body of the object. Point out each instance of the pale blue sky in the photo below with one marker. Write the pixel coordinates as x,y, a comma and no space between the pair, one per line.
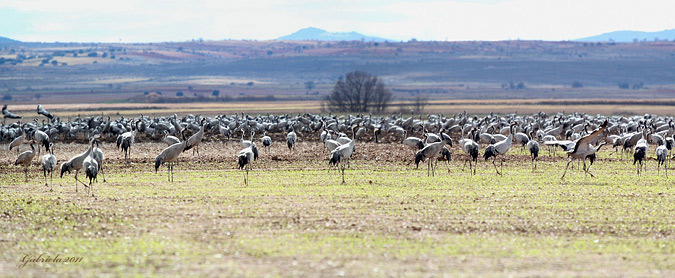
155,20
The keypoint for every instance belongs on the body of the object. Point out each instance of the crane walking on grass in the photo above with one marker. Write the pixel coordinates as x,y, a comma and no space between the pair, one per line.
196,139
245,159
470,147
499,148
48,165
26,158
125,140
431,152
170,156
90,167
342,153
75,163
533,147
266,141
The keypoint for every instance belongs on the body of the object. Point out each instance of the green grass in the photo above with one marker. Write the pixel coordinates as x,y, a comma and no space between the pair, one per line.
387,220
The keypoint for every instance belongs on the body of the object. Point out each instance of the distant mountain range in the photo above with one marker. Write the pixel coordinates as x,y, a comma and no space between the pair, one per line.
630,36
3,39
316,34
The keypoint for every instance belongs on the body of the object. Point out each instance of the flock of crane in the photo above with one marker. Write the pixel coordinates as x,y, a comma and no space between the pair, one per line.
579,135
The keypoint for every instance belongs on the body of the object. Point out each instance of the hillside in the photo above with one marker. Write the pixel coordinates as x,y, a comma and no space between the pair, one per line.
279,70
316,34
630,36
7,40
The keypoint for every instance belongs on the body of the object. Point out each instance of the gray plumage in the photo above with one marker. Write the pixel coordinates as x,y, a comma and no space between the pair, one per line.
49,164
44,112
661,157
24,159
196,139
75,164
245,159
90,167
170,155
583,148
170,140
342,153
8,114
291,137
266,141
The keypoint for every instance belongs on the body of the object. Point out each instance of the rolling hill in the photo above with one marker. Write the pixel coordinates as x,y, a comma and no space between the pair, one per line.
316,34
630,36
7,40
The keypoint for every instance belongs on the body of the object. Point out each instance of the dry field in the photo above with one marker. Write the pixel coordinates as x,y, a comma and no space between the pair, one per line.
296,219
447,107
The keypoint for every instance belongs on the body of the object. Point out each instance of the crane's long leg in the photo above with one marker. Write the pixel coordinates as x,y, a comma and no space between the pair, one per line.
25,171
51,181
168,171
343,173
77,180
495,165
102,173
431,164
447,165
568,165
44,171
588,170
475,165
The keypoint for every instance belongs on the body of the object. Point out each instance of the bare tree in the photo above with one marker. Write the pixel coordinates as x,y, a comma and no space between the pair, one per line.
358,92
419,103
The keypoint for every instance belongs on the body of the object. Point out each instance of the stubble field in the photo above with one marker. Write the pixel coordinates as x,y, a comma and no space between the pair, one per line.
295,218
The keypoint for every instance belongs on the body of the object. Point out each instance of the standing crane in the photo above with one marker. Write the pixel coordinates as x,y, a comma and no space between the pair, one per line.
640,154
431,152
470,147
342,153
170,155
25,158
125,140
266,141
661,157
75,163
291,137
583,148
42,139
499,148
99,157
245,159
533,146
48,165
90,167
16,143
196,139
246,143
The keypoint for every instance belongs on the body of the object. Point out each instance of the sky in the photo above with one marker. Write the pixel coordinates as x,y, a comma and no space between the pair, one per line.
455,20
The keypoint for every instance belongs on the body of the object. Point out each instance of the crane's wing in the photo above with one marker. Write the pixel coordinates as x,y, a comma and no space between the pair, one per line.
586,140
558,142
